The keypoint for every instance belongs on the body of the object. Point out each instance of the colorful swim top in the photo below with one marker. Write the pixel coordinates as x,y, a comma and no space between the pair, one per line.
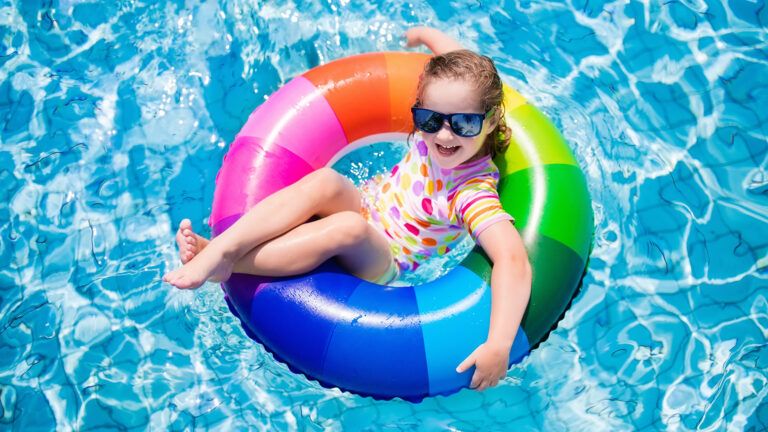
425,210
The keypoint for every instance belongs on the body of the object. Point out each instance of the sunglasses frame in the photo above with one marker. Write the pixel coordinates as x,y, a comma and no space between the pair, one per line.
449,117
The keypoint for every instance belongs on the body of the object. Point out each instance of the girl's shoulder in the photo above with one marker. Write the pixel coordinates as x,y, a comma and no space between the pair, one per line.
481,170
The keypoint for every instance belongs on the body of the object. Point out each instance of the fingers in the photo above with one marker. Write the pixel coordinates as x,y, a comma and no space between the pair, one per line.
467,363
481,381
412,37
484,384
477,380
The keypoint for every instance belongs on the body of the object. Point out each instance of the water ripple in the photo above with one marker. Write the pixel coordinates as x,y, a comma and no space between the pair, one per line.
115,117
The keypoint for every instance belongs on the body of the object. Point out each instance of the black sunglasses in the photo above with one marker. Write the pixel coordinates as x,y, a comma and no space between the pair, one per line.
462,124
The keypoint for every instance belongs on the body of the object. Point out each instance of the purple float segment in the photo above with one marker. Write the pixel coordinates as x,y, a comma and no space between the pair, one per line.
222,224
251,172
240,287
298,118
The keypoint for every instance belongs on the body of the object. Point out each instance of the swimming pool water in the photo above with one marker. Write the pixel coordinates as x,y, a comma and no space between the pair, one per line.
115,117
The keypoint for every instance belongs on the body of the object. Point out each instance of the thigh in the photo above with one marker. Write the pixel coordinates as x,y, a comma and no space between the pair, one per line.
345,235
366,253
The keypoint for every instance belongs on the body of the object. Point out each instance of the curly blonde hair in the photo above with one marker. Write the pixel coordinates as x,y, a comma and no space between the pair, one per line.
481,72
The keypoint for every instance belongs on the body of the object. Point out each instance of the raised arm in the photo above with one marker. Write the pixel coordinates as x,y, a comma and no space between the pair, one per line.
437,41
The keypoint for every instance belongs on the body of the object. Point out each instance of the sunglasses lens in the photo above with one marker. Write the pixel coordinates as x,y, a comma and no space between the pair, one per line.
426,120
467,125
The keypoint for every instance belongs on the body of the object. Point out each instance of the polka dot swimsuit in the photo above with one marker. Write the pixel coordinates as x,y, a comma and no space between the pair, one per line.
425,210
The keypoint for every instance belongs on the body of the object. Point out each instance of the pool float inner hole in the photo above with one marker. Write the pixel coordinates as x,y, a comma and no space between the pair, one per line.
377,154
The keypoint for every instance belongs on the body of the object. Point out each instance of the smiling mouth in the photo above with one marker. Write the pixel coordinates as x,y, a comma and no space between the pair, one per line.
446,151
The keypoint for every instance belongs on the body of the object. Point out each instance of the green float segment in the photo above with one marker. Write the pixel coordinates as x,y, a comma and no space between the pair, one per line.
478,263
566,215
534,141
556,271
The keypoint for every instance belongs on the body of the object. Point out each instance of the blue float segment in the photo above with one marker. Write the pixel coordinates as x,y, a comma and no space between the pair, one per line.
377,348
295,317
240,289
455,312
520,347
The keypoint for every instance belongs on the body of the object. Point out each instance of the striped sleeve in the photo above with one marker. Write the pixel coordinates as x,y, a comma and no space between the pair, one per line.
478,206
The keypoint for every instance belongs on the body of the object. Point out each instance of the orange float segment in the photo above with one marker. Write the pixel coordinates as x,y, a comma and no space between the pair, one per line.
404,70
357,91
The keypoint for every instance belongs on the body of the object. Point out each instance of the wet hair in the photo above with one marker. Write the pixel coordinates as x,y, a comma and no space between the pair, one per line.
480,71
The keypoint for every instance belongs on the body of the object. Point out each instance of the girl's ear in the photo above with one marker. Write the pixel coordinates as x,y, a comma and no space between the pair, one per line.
495,118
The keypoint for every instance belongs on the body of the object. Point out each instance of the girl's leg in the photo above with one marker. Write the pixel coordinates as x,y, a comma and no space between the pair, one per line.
320,193
345,235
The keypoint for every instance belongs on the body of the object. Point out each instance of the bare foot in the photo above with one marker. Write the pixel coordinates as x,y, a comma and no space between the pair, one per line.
202,265
189,242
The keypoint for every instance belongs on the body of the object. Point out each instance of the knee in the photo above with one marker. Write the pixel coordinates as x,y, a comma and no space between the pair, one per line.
327,184
350,229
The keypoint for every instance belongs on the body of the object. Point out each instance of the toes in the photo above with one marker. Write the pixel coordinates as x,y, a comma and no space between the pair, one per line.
190,240
185,282
169,276
185,224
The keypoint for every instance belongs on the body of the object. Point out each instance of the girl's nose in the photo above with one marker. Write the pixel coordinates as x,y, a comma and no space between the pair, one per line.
445,132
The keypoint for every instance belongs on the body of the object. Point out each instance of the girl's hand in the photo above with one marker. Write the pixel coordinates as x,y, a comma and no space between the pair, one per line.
437,41
491,362
413,37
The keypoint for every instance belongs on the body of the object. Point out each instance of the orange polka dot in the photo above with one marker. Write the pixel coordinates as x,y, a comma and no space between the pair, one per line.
429,241
422,223
439,185
406,251
386,187
424,170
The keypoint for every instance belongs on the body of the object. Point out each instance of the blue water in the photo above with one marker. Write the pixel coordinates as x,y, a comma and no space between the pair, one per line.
115,117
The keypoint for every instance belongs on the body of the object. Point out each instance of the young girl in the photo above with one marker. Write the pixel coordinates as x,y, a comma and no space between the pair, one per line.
443,190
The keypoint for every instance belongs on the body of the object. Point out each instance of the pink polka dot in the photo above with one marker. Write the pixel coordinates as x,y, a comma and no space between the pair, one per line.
394,212
422,146
418,188
412,229
426,204
394,170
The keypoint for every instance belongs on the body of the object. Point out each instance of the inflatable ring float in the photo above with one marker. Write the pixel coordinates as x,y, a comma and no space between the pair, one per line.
381,341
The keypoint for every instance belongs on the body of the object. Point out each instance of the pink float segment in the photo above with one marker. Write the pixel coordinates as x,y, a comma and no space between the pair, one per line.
250,172
299,118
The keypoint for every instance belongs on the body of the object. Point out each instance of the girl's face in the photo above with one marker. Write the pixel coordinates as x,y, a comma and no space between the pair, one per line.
449,96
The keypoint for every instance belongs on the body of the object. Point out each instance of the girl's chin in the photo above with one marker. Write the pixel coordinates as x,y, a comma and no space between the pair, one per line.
446,161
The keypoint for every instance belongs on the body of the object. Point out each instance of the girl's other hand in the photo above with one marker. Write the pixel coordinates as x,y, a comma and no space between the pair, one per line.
490,361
